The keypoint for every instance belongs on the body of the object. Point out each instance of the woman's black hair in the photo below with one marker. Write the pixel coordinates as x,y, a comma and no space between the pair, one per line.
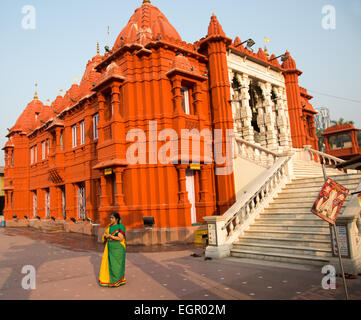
116,216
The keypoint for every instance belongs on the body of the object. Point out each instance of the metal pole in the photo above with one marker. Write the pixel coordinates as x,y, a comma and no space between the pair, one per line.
324,172
340,259
337,243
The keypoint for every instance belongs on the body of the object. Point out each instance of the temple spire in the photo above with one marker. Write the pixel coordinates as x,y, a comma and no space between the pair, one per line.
98,50
36,92
146,1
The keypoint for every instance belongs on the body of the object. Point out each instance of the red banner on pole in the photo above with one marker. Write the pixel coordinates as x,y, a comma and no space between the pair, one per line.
330,200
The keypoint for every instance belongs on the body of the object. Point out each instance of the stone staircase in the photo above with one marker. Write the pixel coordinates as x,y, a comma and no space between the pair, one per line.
287,230
310,169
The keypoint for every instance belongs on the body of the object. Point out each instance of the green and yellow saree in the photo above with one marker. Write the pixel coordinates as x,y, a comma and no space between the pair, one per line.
112,270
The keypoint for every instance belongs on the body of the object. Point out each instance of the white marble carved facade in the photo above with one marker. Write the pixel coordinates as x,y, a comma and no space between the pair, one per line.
259,103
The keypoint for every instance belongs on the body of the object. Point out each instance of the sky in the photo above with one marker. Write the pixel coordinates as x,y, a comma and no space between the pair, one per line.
323,36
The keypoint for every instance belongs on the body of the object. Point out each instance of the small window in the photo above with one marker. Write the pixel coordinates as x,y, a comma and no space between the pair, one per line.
48,146
36,153
185,100
61,141
95,126
82,132
43,147
75,136
12,158
31,155
340,141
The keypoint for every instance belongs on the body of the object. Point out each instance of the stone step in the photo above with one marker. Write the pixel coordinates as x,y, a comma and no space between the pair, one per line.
271,256
289,234
285,227
351,177
309,243
309,188
307,203
319,184
289,216
285,249
289,194
301,210
307,174
287,230
306,221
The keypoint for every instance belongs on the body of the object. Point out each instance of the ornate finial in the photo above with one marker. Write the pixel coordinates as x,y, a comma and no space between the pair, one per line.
146,1
265,48
98,50
266,51
75,81
36,92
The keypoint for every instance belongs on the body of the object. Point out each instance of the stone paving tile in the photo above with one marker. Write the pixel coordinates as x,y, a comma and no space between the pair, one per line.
67,267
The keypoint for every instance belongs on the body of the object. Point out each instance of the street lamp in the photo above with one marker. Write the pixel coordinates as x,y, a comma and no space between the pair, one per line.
250,43
282,56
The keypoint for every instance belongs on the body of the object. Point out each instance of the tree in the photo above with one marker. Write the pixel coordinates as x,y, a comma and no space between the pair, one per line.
340,122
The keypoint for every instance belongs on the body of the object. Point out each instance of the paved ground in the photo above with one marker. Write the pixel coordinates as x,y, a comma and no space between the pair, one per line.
67,267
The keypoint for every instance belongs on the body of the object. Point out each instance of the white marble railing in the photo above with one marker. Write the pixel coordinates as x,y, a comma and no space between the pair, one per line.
228,227
253,152
321,157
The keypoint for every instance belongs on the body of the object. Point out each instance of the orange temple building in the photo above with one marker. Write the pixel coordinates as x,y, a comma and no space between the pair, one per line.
343,141
96,149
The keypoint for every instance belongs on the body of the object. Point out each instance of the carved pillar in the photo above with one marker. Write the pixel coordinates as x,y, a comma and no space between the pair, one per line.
260,121
182,194
89,209
119,198
282,119
69,191
116,101
287,115
104,202
204,184
54,204
101,102
234,102
177,96
246,111
270,121
197,101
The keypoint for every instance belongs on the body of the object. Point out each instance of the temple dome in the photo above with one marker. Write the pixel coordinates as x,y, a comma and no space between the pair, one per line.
146,24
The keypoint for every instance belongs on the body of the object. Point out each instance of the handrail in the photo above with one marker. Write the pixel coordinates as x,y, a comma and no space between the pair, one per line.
324,158
262,190
324,155
254,152
255,146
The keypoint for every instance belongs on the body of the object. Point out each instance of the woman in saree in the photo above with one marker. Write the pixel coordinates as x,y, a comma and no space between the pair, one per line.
113,264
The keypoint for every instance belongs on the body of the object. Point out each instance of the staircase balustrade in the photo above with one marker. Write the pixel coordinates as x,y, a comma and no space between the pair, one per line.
323,158
227,228
253,152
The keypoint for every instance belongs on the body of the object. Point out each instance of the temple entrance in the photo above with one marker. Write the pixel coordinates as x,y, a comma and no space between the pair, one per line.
63,202
35,204
47,203
81,201
191,194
